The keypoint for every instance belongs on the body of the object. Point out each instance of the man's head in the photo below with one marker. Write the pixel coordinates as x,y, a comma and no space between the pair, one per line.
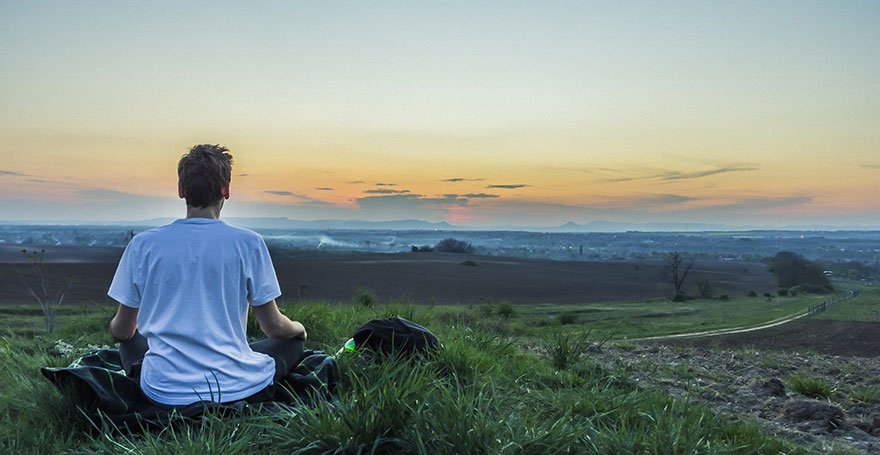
203,175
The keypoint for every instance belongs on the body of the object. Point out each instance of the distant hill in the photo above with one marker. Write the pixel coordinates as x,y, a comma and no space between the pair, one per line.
287,223
597,226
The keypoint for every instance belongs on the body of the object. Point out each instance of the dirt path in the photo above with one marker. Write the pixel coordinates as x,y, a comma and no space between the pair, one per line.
741,329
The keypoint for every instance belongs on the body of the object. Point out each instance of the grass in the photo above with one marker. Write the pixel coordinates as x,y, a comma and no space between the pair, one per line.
481,393
864,307
663,317
869,394
810,386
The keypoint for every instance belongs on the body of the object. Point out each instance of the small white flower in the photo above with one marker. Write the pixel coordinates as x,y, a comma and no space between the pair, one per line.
63,348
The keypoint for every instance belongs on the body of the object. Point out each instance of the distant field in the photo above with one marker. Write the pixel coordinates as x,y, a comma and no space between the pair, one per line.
864,308
663,317
614,320
426,278
849,328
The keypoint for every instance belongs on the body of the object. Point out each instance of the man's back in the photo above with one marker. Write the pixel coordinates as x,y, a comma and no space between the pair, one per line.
192,281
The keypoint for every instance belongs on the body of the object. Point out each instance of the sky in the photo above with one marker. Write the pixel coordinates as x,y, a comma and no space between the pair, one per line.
475,113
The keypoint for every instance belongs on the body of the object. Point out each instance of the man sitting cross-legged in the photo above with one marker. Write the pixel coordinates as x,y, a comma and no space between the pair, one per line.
184,290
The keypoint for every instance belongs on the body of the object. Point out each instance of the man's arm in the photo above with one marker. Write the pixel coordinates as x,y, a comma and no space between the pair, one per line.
276,325
124,324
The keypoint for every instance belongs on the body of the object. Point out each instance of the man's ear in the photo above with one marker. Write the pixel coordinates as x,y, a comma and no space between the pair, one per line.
180,191
226,191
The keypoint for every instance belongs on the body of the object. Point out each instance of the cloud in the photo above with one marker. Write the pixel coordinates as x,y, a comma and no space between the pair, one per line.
280,193
302,197
242,175
673,175
14,173
473,196
385,184
512,186
462,179
103,194
676,175
324,188
648,201
411,205
355,182
386,191
871,166
763,203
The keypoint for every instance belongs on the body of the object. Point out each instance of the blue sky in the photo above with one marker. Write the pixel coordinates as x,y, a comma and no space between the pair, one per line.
734,112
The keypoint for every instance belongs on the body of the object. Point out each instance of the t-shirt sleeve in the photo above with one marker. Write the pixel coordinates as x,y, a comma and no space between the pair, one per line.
124,288
262,283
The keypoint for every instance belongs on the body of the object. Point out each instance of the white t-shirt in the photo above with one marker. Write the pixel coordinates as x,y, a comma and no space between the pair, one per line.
192,281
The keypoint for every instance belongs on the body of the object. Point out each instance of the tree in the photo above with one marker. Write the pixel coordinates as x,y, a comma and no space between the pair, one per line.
705,289
676,268
792,269
451,245
47,289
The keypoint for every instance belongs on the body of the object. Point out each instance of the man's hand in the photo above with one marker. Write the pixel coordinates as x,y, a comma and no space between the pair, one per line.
124,324
276,325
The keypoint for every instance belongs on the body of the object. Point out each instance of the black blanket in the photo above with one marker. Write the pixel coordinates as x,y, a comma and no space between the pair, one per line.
97,382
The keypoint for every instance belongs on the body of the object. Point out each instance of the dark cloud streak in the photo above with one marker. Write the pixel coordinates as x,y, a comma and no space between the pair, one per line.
302,197
672,175
474,195
463,179
512,186
14,173
386,191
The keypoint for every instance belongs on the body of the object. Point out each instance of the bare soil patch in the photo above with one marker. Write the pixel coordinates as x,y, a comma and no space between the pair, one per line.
757,384
442,278
420,277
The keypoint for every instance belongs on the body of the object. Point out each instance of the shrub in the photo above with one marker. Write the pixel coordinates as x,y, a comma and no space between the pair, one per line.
815,289
44,286
485,310
724,297
567,317
810,387
470,263
705,288
753,294
505,310
768,295
783,292
679,297
451,245
365,297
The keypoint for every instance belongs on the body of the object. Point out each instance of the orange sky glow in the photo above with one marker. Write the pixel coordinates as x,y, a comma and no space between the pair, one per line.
482,115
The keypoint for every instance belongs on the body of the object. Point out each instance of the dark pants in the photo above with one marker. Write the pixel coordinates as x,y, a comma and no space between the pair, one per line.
286,354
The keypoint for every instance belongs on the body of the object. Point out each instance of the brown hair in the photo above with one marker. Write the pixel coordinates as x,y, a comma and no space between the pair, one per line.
203,172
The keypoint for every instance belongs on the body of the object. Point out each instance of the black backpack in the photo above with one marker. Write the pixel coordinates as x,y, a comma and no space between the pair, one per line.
395,336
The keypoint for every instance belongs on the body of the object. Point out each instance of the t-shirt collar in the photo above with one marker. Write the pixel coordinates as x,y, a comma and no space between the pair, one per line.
197,221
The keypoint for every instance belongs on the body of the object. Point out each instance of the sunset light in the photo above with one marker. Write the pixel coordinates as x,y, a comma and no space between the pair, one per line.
761,114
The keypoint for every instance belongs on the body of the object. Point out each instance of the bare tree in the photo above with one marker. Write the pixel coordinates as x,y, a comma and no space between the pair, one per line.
676,269
48,290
